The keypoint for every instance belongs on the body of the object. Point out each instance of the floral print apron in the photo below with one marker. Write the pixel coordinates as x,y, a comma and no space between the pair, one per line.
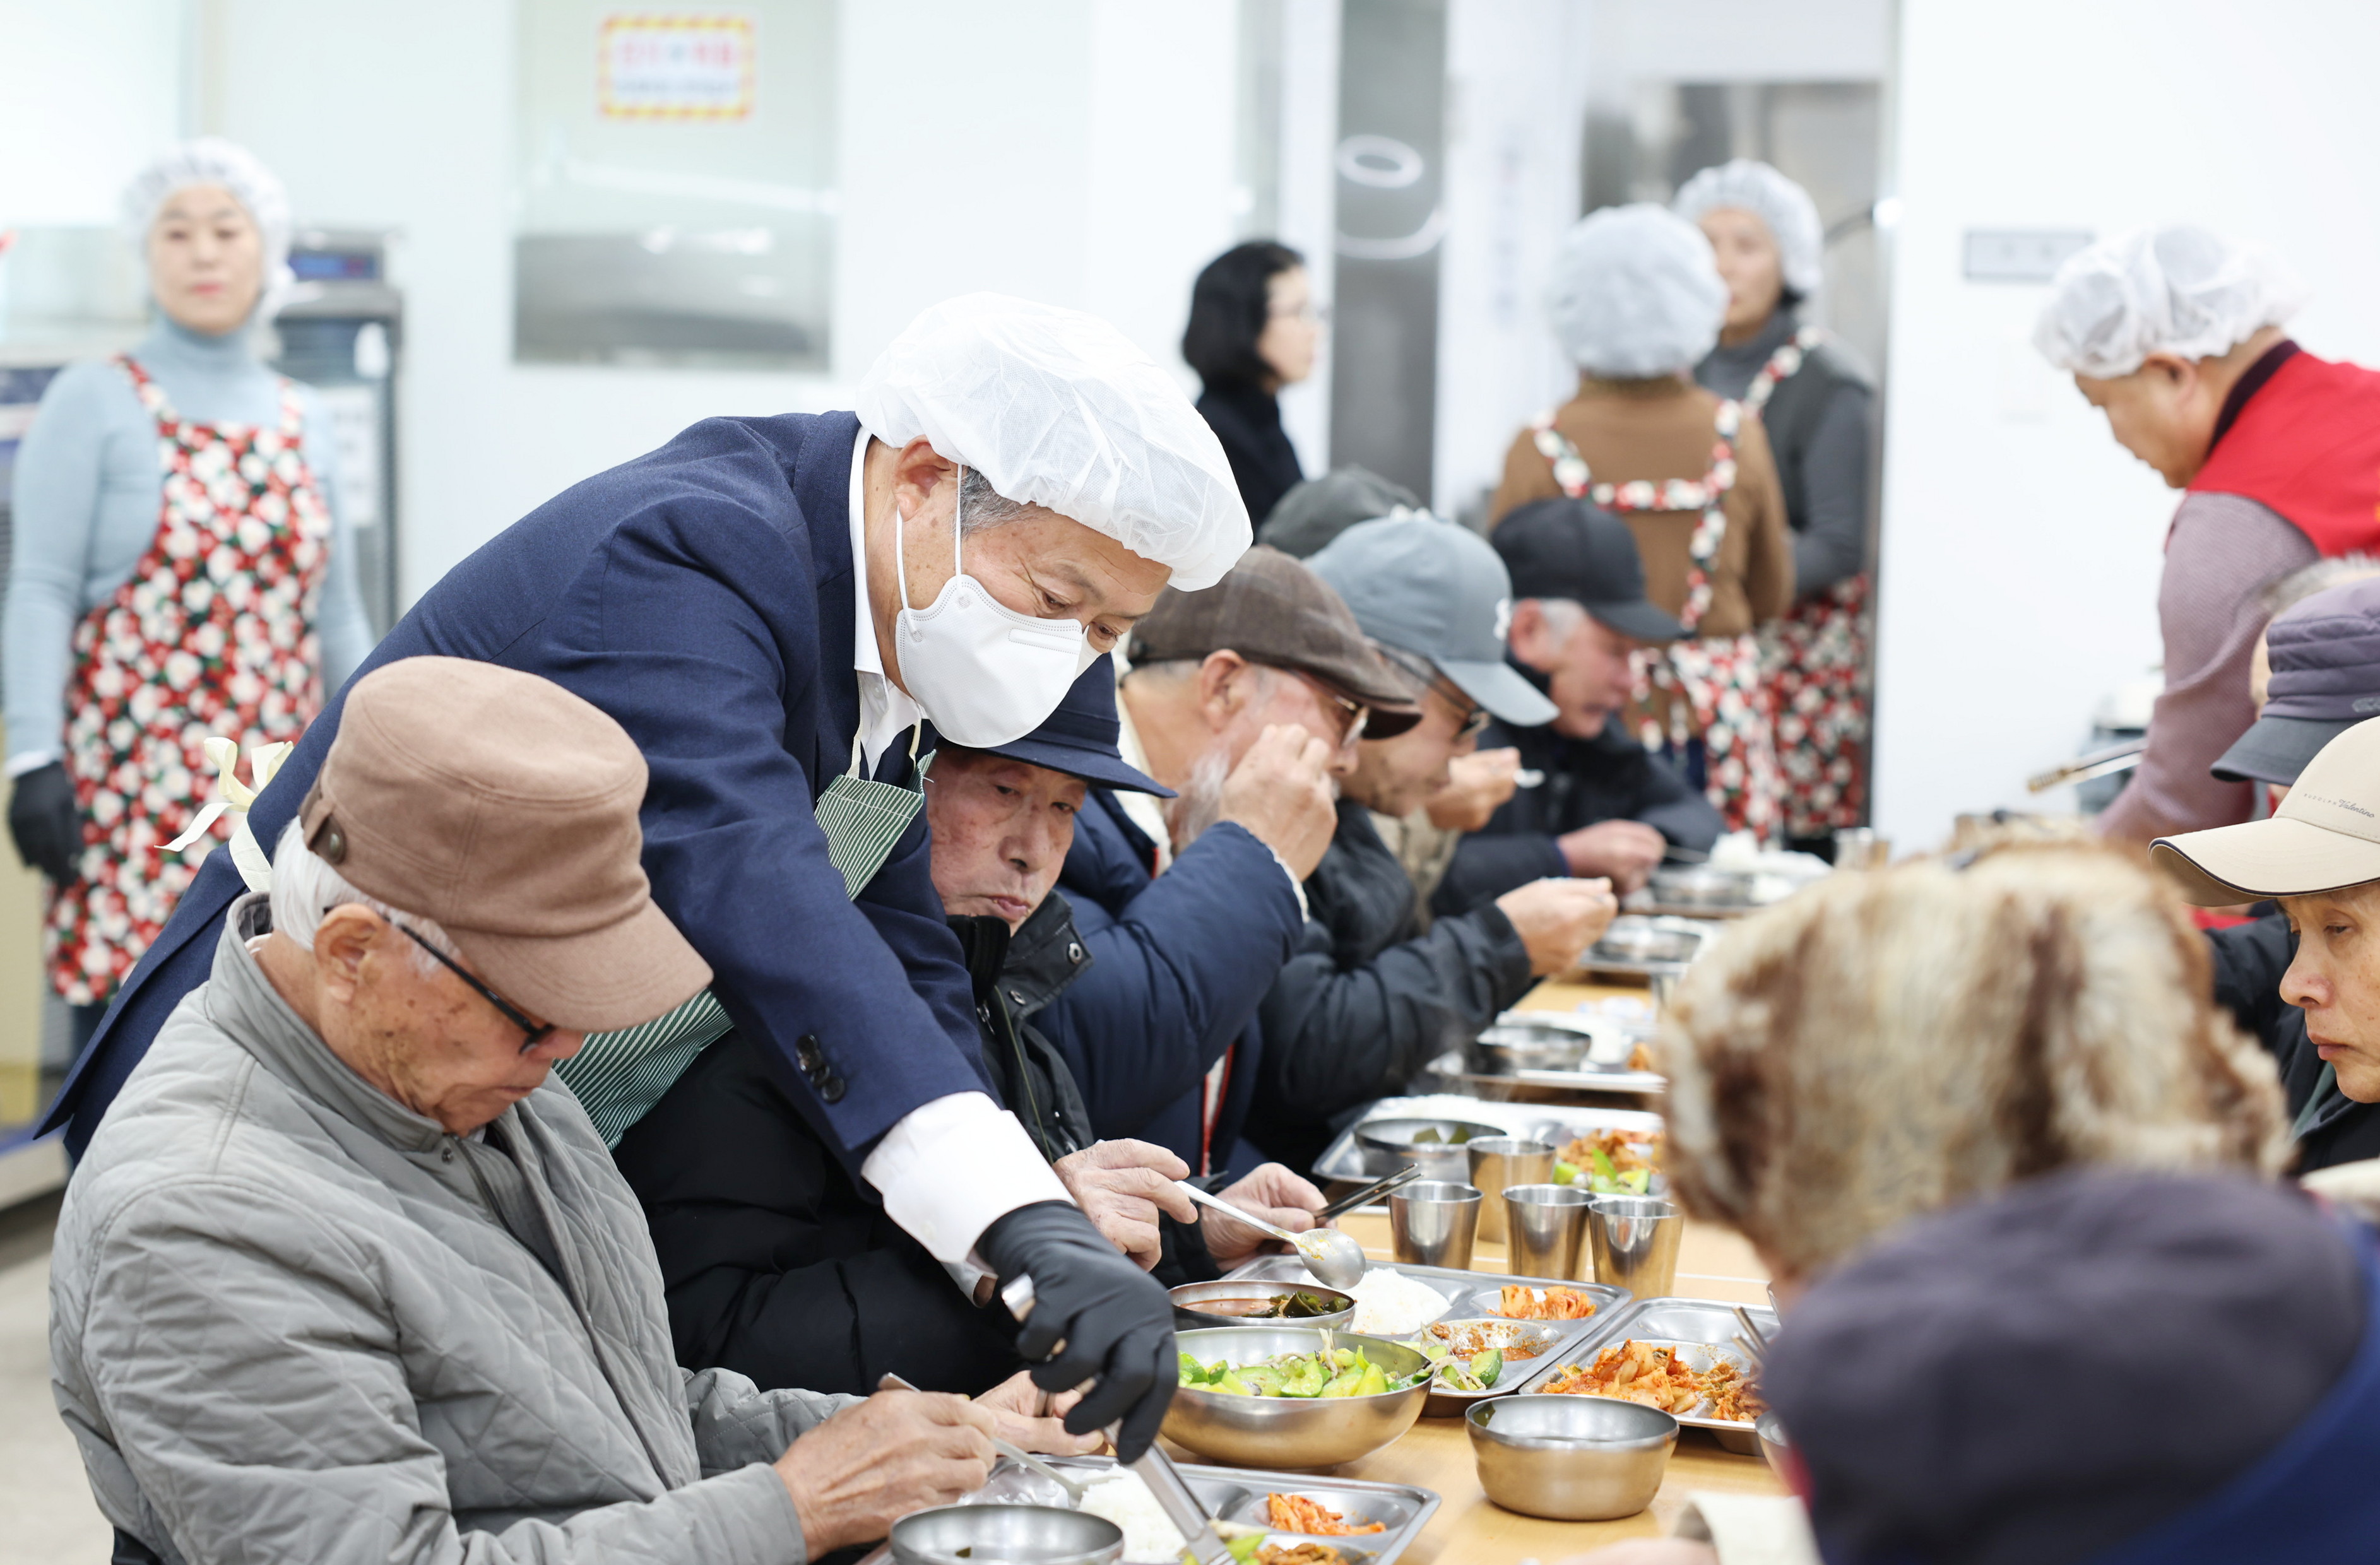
1706,687
1813,664
213,636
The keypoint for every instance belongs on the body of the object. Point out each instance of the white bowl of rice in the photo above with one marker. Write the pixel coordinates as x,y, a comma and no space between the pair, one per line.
1390,1303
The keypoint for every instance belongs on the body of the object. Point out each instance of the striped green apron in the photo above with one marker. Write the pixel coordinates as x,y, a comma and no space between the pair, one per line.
620,1075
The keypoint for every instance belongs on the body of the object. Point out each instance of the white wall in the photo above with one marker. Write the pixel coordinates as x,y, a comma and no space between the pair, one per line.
2020,545
87,93
1074,150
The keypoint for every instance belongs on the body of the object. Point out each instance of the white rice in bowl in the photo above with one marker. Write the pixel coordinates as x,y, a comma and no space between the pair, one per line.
1390,1303
1123,1498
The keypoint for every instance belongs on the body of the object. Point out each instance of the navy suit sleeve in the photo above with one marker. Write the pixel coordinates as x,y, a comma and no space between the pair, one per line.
1175,974
663,634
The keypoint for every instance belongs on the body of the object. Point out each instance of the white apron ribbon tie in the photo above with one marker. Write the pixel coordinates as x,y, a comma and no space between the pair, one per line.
233,797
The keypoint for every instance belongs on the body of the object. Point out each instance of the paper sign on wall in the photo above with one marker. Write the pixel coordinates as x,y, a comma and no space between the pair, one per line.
674,67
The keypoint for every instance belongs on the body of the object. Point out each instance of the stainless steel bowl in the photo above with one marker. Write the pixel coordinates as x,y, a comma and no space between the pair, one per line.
1389,1144
1538,1336
1571,1458
1007,1535
1775,1444
1633,938
1190,1295
1508,1047
1701,886
1291,1432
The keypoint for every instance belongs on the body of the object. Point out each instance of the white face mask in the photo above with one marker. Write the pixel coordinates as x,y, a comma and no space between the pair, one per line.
985,673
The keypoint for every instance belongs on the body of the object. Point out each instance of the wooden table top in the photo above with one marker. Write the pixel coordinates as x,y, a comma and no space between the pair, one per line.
1469,1529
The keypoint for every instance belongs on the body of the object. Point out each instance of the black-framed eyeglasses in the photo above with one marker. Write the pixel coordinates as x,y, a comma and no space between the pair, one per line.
1353,715
532,1033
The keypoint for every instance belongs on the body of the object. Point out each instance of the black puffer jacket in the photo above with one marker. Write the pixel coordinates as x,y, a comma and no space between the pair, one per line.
1610,777
2249,961
777,1264
1366,1003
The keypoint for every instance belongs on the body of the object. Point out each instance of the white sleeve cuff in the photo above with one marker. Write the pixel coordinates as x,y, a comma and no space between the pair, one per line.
24,761
1296,888
952,1167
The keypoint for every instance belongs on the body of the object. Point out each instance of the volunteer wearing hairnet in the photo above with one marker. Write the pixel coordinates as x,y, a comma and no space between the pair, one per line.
773,608
2175,333
1814,404
179,570
1636,300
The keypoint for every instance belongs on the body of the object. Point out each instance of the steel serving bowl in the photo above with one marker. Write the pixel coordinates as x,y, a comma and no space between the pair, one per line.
1389,1144
1291,1432
1633,938
1508,1047
1702,885
1538,1336
1190,1295
1570,1458
1009,1535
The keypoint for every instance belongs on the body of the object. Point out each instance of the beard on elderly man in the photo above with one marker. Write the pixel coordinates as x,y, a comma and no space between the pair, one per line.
775,1262
345,1273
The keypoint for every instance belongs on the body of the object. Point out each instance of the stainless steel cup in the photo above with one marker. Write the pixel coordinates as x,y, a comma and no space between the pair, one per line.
1432,1222
1500,1161
1633,1240
1546,1223
1448,1164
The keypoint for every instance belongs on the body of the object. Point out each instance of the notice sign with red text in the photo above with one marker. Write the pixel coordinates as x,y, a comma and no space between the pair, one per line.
674,67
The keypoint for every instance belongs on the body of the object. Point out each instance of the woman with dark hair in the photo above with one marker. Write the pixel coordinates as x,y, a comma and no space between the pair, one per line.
1253,329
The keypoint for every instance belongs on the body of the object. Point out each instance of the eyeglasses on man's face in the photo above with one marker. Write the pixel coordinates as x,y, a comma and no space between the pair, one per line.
1351,716
532,1033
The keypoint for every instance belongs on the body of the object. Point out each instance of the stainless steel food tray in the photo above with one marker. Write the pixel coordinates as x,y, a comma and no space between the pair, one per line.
1237,1494
1473,1295
1520,1085
1343,1162
1705,1326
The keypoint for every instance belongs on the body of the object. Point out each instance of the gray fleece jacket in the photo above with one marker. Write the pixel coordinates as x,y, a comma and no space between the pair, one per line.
291,1321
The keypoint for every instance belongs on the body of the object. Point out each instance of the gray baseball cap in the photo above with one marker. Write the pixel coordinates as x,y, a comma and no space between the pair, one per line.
2326,660
1438,590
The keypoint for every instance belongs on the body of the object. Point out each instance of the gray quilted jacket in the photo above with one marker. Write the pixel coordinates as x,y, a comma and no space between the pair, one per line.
288,1324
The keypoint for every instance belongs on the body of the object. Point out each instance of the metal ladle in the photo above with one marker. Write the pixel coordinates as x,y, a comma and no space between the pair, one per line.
1334,1257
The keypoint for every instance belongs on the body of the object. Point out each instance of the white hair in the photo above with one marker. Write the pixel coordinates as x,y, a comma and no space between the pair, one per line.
305,889
1564,618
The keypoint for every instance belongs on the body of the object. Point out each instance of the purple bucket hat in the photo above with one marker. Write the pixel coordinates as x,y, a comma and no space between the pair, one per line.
2326,659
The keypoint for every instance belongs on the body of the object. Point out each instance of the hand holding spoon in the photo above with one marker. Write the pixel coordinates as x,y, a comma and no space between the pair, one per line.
1334,1258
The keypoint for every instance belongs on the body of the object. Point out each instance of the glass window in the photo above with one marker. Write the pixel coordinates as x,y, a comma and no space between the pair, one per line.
677,198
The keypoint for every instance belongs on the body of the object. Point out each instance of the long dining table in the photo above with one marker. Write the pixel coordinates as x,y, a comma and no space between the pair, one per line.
1469,1528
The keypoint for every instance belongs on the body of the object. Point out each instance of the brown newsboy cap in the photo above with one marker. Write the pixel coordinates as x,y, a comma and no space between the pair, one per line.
504,807
1270,608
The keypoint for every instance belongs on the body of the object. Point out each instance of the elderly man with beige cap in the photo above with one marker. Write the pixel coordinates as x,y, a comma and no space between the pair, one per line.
344,1276
2319,857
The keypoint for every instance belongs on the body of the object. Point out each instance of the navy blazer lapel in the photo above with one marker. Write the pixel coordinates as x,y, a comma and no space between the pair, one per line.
822,491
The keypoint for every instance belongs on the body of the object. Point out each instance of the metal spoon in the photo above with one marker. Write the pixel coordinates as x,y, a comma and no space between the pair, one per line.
1334,1258
1075,1491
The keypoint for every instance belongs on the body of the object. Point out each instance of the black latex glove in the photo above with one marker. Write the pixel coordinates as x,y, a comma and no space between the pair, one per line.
43,820
1114,1318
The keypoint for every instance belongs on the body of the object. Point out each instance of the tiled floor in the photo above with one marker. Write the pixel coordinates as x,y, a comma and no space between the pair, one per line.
46,1514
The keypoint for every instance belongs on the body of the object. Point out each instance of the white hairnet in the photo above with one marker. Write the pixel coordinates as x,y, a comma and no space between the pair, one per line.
1785,207
2178,289
1636,293
210,160
1058,409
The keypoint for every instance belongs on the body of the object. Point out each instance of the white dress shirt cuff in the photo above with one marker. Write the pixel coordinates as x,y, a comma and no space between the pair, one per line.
1297,888
951,1169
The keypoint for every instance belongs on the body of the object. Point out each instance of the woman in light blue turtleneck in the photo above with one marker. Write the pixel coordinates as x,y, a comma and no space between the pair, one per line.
180,571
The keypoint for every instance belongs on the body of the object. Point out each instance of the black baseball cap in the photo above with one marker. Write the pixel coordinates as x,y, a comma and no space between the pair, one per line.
1575,549
1270,608
1080,737
2326,660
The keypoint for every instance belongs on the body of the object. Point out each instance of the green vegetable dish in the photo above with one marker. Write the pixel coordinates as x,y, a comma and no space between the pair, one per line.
1343,1372
1605,1180
1478,1373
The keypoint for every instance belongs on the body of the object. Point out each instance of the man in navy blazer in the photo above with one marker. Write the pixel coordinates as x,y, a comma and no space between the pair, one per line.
1024,485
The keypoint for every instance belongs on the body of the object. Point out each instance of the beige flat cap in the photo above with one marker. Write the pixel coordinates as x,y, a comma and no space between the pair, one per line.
2324,835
